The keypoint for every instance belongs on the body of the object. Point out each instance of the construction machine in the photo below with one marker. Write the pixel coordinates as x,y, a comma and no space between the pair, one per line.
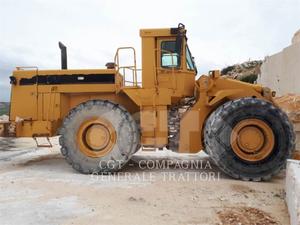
104,116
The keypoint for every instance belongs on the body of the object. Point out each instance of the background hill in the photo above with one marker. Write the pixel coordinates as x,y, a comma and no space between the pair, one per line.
4,108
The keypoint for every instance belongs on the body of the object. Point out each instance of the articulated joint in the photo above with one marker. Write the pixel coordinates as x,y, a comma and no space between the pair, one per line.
268,93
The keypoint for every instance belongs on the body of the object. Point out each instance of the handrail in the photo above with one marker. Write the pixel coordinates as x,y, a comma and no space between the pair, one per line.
131,67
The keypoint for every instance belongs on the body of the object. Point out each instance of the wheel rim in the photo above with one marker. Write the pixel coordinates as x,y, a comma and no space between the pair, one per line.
96,137
252,140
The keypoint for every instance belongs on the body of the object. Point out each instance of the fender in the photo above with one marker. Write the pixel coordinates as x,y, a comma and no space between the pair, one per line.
211,92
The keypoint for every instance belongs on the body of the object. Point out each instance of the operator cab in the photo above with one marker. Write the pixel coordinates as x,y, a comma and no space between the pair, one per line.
171,51
167,61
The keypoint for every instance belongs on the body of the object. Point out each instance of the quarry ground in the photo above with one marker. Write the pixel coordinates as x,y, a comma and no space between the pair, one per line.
37,186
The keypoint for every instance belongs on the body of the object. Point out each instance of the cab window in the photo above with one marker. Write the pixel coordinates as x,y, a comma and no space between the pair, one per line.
189,59
169,56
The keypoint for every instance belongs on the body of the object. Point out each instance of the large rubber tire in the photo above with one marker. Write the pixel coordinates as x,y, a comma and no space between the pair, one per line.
219,127
127,137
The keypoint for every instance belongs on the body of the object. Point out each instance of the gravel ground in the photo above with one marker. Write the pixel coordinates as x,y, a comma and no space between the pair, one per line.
38,187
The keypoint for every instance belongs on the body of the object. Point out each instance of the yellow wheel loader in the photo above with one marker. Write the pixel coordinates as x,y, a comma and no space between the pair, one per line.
103,116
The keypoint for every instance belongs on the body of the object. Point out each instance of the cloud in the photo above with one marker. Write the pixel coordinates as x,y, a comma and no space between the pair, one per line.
6,68
220,32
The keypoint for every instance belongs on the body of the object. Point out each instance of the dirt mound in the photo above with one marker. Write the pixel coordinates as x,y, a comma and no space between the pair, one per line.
245,216
247,71
291,105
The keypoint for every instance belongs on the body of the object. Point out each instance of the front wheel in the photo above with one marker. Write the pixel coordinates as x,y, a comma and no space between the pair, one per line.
98,137
249,138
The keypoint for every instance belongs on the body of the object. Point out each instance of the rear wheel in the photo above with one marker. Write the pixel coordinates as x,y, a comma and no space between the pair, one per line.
249,138
98,137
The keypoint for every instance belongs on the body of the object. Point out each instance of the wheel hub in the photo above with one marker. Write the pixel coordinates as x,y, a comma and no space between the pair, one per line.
96,137
252,140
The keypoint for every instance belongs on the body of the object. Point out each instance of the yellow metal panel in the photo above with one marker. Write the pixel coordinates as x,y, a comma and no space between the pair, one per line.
190,130
161,131
32,128
162,32
23,102
148,62
51,106
73,100
65,106
148,121
78,88
154,126
143,96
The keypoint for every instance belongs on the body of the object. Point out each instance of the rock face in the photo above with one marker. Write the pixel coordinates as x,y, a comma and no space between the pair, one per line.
292,188
290,103
296,38
247,71
280,71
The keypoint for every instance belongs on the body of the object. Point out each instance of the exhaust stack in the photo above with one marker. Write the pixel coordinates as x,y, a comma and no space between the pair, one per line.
63,50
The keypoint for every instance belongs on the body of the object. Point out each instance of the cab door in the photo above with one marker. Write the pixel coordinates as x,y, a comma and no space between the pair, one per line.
173,70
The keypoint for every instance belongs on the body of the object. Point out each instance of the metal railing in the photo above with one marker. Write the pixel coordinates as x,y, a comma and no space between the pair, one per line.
130,72
133,71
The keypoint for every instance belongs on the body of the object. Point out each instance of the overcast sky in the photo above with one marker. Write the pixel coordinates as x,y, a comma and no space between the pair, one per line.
220,32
